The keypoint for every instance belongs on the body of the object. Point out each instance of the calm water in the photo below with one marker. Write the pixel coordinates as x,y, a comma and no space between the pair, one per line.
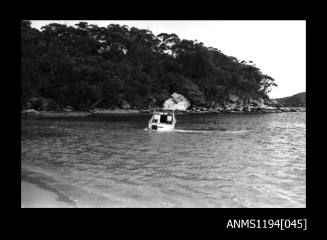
226,160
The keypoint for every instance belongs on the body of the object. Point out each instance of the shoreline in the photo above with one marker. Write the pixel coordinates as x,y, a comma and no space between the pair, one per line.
35,194
50,114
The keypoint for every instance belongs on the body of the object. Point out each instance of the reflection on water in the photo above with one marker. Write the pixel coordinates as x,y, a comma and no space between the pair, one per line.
232,160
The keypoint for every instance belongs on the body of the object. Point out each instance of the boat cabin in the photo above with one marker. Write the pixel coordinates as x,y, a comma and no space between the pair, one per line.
162,120
163,116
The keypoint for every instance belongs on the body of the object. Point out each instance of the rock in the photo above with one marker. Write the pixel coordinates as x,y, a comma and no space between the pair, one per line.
38,103
231,106
232,98
169,104
212,104
123,104
257,103
177,97
213,110
30,113
247,108
144,111
68,109
176,102
255,109
284,109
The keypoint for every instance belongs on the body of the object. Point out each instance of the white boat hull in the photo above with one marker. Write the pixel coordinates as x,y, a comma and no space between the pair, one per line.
163,120
161,127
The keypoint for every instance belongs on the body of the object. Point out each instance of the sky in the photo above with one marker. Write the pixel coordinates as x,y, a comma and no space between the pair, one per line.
277,48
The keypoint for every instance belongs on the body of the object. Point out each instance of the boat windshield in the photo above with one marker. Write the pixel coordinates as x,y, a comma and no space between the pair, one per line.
163,118
166,119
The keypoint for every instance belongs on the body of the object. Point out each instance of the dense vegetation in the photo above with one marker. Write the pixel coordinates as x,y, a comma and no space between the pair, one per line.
81,65
297,100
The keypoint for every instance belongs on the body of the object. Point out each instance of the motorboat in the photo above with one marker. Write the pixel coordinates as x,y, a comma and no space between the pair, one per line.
162,120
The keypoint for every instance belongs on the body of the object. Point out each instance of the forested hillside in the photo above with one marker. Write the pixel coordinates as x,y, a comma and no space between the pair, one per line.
86,64
296,100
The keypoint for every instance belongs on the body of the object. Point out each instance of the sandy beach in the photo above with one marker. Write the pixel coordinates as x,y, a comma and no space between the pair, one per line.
36,196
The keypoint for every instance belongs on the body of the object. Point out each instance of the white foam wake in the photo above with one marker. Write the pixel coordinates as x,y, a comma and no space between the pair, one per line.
202,131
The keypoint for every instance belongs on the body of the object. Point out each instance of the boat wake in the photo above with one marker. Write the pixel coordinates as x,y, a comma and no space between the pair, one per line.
209,131
202,131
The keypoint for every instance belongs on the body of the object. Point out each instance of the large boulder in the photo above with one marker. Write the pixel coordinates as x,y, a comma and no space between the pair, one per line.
30,113
177,98
233,98
257,103
169,104
176,102
123,104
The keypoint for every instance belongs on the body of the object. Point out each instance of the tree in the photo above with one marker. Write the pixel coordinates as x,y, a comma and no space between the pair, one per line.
82,64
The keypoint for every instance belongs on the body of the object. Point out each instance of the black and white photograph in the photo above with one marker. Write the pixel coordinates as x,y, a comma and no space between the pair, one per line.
163,114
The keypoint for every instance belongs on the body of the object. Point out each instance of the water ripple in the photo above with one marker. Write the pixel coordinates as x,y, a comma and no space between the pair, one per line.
254,160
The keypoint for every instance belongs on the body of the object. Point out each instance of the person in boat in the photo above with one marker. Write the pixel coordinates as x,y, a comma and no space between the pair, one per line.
169,119
166,119
156,119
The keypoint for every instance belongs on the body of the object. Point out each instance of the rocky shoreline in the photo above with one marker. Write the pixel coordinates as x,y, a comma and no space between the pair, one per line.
233,104
35,113
237,110
251,110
